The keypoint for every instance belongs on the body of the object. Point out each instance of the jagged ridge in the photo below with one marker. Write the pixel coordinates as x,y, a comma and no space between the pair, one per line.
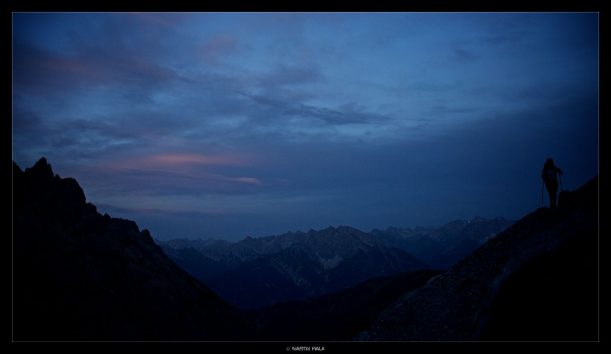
79,275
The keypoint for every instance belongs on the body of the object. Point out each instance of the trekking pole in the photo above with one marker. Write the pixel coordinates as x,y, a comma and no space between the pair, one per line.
542,193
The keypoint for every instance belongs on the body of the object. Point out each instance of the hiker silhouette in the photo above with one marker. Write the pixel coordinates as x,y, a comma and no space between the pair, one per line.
550,177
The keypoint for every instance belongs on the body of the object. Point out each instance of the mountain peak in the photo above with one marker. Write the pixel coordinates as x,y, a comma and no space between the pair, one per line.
42,161
339,229
476,219
41,170
456,223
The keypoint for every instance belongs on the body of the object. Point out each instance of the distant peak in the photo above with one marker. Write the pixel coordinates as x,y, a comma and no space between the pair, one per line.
457,223
395,229
346,228
340,229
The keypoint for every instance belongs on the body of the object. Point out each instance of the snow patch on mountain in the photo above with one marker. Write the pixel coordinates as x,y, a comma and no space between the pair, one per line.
330,263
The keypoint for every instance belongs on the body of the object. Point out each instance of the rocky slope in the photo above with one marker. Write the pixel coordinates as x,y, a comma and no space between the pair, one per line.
79,275
338,316
537,280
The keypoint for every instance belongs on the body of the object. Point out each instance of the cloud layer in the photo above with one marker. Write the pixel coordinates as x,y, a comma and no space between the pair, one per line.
228,124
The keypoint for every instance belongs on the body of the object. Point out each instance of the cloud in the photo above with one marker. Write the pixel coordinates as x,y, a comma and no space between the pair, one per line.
281,109
196,159
177,160
166,20
126,70
446,110
122,51
507,29
290,75
215,49
127,183
302,120
246,180
462,55
38,71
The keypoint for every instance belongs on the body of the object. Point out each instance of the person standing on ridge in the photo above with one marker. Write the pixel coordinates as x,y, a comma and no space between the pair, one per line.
550,178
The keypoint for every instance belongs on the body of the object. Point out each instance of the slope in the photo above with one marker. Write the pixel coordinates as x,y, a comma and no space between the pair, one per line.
336,316
79,275
517,286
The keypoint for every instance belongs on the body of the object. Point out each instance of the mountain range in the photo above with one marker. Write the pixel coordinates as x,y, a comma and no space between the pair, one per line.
442,247
257,272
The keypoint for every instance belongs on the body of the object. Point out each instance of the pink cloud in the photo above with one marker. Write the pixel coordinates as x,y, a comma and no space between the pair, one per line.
246,180
186,165
181,170
177,160
186,159
195,159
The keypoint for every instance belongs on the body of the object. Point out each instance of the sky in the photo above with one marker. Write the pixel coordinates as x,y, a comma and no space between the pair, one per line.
227,125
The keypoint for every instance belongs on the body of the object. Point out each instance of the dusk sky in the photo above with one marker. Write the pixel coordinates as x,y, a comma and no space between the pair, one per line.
223,125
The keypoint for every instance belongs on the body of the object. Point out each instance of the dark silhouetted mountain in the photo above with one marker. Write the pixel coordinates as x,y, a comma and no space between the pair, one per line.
442,247
79,275
263,271
535,281
337,316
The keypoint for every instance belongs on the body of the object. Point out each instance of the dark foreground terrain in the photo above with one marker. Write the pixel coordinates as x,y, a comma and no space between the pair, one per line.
80,275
